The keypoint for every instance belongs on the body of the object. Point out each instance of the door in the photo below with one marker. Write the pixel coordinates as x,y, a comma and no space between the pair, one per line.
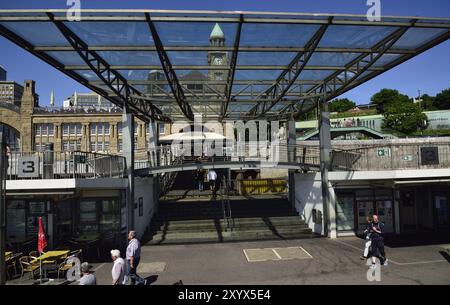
384,212
345,213
442,212
364,210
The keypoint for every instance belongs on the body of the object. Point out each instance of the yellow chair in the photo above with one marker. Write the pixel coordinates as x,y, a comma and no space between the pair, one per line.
27,266
65,266
33,254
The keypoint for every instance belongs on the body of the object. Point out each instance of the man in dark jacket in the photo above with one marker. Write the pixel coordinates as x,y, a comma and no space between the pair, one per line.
378,242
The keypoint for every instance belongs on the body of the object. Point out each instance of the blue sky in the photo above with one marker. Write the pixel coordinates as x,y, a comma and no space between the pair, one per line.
428,72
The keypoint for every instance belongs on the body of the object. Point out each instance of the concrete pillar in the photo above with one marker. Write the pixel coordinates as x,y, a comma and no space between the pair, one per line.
128,153
58,137
291,140
28,103
397,210
153,133
328,198
85,137
113,138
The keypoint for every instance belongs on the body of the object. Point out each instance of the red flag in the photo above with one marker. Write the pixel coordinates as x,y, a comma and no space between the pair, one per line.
42,240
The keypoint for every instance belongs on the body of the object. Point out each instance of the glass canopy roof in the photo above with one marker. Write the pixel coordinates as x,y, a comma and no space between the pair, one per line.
167,65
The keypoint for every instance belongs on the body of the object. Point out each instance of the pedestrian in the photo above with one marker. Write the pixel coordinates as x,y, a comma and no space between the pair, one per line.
212,177
368,240
200,177
378,242
133,257
88,278
118,269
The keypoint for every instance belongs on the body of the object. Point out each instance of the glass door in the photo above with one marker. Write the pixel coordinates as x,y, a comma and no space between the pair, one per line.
344,212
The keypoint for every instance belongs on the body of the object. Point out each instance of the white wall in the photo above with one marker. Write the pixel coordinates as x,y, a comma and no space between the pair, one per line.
144,188
308,193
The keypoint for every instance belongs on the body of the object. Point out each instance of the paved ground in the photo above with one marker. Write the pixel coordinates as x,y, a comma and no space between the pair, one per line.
332,262
305,261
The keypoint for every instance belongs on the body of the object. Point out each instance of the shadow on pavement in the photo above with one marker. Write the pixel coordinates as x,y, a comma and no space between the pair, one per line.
416,239
151,279
445,255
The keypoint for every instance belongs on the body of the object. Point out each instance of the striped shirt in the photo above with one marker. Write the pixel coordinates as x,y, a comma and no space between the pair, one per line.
133,249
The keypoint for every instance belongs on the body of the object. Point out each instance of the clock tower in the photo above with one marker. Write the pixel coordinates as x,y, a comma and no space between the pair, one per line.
217,57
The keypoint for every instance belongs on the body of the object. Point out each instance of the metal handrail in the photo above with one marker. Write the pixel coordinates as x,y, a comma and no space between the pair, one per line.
66,164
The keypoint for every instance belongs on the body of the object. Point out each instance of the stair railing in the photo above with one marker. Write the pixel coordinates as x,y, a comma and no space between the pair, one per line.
226,206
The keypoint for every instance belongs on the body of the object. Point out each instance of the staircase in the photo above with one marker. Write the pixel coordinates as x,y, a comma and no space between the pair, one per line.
202,222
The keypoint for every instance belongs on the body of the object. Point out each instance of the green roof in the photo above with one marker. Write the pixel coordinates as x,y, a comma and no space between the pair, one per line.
216,32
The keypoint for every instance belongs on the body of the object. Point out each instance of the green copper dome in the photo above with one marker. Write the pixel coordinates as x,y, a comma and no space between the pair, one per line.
217,32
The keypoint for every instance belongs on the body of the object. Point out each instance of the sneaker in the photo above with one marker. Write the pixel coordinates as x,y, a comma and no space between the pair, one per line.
362,257
385,262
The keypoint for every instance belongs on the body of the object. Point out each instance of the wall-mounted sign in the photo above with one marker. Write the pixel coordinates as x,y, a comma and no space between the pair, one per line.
384,152
407,158
28,167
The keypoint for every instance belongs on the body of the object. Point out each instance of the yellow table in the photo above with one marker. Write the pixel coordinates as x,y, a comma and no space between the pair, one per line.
50,257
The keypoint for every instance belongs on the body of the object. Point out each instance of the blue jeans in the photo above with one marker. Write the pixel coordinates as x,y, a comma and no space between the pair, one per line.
132,272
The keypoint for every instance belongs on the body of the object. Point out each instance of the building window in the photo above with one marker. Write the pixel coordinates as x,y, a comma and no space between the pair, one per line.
44,129
100,128
162,128
100,146
120,145
71,145
73,129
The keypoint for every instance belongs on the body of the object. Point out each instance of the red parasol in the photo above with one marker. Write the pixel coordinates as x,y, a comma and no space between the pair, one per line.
42,240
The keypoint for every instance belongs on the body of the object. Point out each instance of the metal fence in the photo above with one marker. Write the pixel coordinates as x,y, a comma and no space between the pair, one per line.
64,165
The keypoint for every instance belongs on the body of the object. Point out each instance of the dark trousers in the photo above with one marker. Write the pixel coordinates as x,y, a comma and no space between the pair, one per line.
378,249
132,272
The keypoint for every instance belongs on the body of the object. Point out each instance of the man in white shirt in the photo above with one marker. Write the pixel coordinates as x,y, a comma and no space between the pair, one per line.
212,177
118,269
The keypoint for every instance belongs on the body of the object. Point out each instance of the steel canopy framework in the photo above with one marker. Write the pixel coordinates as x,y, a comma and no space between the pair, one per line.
160,64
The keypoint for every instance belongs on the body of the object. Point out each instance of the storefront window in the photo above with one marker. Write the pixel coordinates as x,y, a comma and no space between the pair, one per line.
36,209
110,217
344,212
88,224
16,229
64,223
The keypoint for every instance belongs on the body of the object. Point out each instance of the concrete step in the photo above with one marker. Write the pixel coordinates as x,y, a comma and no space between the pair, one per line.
226,237
238,222
222,227
233,233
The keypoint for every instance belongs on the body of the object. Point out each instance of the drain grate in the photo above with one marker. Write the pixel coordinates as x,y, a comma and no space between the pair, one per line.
276,254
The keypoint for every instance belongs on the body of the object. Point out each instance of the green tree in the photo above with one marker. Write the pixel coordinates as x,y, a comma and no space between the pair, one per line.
442,100
404,117
341,105
386,97
427,102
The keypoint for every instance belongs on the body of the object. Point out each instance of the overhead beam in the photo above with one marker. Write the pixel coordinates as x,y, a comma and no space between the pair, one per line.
111,78
272,49
221,68
230,76
171,76
287,78
248,18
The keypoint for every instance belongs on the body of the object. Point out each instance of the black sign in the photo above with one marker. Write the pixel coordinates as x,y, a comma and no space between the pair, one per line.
429,155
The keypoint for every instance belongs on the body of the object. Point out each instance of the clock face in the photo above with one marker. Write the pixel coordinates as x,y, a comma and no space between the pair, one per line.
218,60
